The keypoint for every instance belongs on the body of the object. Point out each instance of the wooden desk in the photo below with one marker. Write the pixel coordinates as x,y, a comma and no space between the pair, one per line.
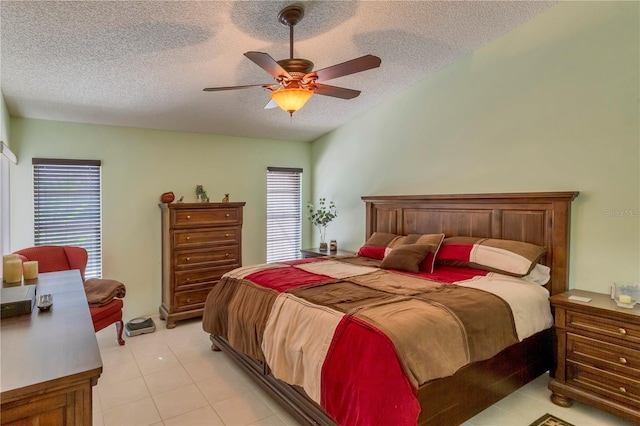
50,360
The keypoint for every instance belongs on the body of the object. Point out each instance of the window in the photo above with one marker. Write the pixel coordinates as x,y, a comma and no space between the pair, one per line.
284,213
67,207
6,158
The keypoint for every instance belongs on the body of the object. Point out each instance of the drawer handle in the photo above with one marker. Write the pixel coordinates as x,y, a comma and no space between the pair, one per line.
188,300
226,255
188,259
226,235
188,217
188,238
623,360
226,215
623,390
622,330
188,279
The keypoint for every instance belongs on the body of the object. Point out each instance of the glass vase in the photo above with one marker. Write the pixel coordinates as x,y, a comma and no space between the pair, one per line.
323,239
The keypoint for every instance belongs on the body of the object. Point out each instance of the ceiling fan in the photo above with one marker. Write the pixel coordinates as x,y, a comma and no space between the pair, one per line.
296,82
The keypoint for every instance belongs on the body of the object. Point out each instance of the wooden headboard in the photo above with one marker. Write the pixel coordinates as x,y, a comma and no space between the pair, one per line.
540,218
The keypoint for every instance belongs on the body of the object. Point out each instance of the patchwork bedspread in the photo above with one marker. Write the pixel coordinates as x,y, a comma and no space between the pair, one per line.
360,340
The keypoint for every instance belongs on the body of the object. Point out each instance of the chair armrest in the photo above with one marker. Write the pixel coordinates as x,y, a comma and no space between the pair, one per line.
77,258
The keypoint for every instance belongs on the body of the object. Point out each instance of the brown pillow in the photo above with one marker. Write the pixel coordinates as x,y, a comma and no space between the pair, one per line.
406,257
381,239
434,240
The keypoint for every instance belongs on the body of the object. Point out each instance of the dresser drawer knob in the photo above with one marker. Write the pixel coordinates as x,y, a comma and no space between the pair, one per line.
188,217
188,238
188,279
226,235
623,360
622,330
226,215
226,255
188,259
188,300
623,390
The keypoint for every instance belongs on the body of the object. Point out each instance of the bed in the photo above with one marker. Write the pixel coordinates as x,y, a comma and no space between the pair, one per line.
537,219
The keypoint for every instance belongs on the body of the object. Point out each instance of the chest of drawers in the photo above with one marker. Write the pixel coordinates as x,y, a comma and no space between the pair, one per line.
598,354
200,243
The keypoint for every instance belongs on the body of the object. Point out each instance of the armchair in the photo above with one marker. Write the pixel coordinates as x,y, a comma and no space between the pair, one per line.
63,258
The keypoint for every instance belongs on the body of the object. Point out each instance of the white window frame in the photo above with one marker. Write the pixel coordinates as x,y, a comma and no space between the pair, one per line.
284,213
6,159
67,207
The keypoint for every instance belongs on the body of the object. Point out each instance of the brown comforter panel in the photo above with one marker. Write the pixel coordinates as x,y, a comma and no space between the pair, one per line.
238,310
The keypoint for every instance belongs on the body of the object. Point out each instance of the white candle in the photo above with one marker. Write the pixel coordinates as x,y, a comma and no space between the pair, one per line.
623,298
30,269
13,271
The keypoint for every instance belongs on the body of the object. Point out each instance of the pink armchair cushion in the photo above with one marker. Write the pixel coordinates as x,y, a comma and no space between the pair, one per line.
56,258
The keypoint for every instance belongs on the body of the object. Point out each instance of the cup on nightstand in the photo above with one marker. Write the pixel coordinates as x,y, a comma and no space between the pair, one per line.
626,295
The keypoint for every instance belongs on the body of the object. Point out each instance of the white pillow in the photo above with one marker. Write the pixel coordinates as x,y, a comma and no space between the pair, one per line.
540,274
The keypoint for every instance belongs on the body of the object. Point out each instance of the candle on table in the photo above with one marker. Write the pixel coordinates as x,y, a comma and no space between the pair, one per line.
13,271
6,258
623,298
30,269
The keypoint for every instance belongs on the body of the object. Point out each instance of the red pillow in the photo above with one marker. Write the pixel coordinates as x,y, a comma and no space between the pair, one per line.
372,252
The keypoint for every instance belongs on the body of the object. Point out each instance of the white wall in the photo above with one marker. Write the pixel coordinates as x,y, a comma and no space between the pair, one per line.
137,166
551,106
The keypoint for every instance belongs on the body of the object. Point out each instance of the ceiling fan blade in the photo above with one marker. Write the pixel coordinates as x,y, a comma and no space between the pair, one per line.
267,63
219,89
353,66
336,92
271,104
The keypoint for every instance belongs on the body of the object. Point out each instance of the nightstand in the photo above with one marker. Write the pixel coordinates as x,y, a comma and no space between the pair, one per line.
315,252
598,354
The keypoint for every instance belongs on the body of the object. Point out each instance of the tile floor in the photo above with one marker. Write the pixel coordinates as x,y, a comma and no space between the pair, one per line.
171,377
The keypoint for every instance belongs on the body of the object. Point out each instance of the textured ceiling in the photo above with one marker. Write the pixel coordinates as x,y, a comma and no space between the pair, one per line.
145,63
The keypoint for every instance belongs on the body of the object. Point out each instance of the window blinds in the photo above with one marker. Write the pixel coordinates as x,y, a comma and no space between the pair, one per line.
67,207
284,213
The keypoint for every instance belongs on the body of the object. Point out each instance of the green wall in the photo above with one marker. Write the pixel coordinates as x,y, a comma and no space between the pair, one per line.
137,166
551,106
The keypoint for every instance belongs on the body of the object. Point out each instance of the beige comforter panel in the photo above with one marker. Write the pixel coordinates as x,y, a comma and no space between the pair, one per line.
299,334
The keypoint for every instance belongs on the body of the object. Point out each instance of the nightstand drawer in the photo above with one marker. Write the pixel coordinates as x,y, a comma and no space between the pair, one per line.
606,384
604,326
603,355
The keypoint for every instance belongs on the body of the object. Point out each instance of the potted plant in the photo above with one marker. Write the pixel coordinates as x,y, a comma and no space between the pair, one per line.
321,217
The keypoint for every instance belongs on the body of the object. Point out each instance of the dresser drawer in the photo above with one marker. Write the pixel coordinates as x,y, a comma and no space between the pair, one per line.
603,355
214,236
192,299
604,326
609,385
209,217
200,276
207,257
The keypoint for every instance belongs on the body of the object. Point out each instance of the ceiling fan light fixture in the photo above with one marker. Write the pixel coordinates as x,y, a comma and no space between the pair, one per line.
291,100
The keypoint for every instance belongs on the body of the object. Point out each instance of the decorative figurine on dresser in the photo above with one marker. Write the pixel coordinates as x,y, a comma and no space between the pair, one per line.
200,243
